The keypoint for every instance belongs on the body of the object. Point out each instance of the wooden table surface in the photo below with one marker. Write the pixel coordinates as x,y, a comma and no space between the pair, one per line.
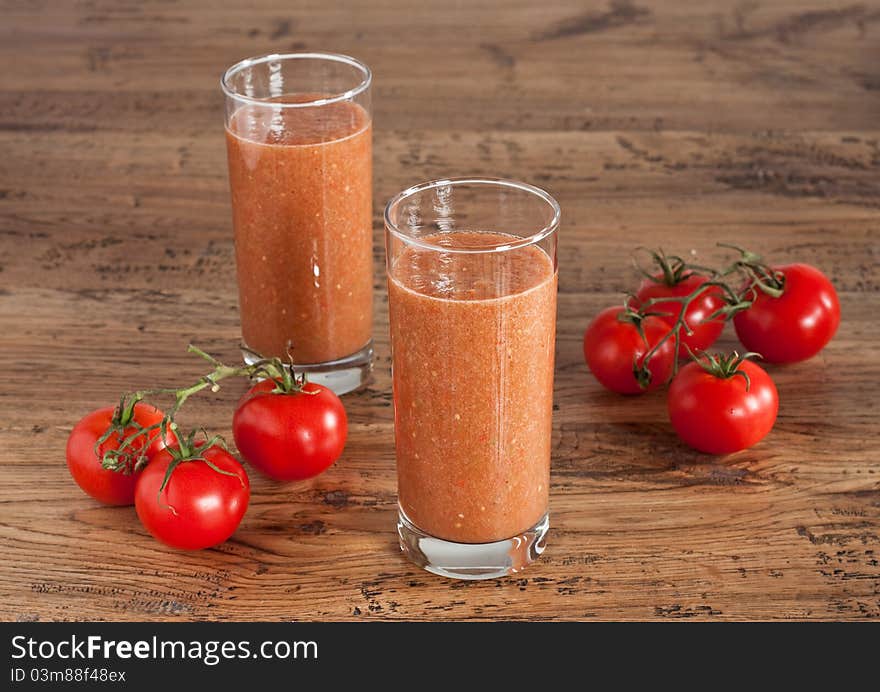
673,123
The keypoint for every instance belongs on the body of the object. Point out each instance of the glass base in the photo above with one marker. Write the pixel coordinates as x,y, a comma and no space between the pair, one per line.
342,376
471,560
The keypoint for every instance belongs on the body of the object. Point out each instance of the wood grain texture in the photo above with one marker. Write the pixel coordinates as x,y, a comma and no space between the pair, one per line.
671,123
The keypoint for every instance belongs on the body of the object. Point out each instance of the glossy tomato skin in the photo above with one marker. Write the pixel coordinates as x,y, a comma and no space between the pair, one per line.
109,487
611,346
705,333
796,325
207,506
290,437
718,416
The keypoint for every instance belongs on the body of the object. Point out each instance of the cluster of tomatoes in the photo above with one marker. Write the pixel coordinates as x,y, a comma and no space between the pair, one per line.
193,494
722,403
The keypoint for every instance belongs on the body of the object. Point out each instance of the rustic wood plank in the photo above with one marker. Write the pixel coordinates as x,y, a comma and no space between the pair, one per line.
678,125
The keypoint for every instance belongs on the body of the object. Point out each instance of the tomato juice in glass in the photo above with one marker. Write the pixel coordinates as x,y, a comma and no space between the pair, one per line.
472,281
299,146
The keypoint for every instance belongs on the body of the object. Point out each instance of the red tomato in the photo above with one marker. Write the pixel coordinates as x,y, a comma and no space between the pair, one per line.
199,507
703,333
109,487
718,415
796,325
293,436
613,349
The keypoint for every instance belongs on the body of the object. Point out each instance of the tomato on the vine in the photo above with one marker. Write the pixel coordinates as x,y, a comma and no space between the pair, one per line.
797,324
84,459
292,435
721,405
703,332
203,499
615,345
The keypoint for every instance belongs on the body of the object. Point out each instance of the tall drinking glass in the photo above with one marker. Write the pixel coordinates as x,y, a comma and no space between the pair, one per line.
472,297
299,144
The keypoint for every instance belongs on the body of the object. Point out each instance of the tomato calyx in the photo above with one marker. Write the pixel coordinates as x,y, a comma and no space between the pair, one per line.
759,275
671,270
636,317
285,377
128,457
725,366
189,449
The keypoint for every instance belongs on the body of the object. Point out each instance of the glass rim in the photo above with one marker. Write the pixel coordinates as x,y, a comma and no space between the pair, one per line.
524,241
367,78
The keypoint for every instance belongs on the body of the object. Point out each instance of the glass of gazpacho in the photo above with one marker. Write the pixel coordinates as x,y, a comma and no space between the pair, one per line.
472,280
299,144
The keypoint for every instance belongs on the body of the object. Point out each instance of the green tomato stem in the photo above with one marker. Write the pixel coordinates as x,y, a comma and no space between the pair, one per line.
127,458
